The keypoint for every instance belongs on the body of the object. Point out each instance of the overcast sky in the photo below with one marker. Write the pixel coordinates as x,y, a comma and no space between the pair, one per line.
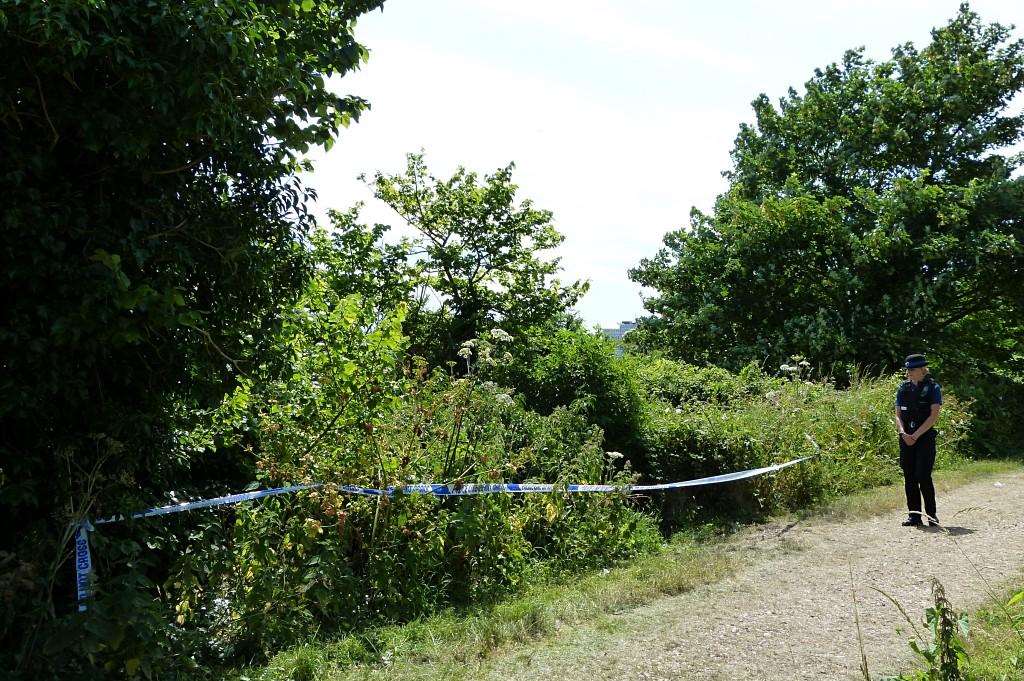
619,115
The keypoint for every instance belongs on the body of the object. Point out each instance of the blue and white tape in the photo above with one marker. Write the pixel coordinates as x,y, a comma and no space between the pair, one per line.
83,558
529,488
83,564
207,503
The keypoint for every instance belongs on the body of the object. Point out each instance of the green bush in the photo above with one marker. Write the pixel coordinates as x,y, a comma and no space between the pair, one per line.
997,397
244,582
850,431
660,378
572,366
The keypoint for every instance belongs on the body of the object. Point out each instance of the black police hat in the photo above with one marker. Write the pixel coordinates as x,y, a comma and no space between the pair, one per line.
915,361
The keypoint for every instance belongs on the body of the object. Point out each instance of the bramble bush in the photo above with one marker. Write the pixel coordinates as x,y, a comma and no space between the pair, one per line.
574,366
665,379
247,581
349,406
747,420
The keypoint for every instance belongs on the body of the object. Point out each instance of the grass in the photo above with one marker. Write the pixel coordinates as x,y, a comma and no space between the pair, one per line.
453,646
451,641
995,646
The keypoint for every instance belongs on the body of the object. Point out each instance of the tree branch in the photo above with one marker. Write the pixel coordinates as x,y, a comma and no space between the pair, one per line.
46,111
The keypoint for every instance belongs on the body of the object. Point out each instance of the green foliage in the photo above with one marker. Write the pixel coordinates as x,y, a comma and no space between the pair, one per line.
766,420
479,255
353,258
346,407
576,367
864,125
667,380
873,215
998,404
152,226
457,644
178,328
945,657
996,643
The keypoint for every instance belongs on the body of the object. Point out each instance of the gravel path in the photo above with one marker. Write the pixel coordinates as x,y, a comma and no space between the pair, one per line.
789,613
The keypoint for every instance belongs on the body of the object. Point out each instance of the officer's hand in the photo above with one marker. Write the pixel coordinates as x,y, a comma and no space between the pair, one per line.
911,439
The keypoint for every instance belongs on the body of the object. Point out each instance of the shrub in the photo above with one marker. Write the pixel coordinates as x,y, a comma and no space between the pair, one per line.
246,581
575,366
851,431
660,378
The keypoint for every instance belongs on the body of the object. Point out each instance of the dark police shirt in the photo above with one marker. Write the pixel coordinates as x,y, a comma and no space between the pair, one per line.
909,399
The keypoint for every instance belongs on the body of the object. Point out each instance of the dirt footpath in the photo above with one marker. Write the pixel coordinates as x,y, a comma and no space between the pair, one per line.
789,614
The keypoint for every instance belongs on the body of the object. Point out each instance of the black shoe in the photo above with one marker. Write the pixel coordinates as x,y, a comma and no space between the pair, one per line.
912,522
933,522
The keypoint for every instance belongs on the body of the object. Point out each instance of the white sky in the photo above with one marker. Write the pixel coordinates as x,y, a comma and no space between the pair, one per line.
619,114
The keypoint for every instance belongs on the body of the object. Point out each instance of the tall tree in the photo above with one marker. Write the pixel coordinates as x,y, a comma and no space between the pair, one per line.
153,223
480,255
874,214
355,258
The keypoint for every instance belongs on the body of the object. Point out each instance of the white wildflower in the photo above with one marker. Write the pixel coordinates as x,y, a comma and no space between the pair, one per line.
503,399
465,352
614,455
500,336
507,358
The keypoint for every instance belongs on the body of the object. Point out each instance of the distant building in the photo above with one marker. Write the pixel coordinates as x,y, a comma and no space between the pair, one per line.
617,334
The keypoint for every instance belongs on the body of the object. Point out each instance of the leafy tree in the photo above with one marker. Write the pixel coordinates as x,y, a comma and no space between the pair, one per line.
354,258
875,214
152,225
479,255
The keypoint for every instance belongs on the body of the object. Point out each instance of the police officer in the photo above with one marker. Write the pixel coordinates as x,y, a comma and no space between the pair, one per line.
918,402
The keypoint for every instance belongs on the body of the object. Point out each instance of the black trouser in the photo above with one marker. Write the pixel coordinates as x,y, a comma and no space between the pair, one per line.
917,461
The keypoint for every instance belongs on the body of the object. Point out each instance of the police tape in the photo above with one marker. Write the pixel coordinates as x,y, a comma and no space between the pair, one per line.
207,503
83,564
83,556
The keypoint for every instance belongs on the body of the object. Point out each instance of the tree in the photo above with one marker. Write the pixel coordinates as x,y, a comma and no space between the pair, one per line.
354,258
153,225
875,214
479,255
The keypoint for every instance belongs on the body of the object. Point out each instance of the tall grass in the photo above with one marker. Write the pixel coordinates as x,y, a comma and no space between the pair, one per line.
750,420
454,642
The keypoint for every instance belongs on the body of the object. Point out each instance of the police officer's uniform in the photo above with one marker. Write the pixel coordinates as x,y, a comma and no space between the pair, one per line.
914,402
